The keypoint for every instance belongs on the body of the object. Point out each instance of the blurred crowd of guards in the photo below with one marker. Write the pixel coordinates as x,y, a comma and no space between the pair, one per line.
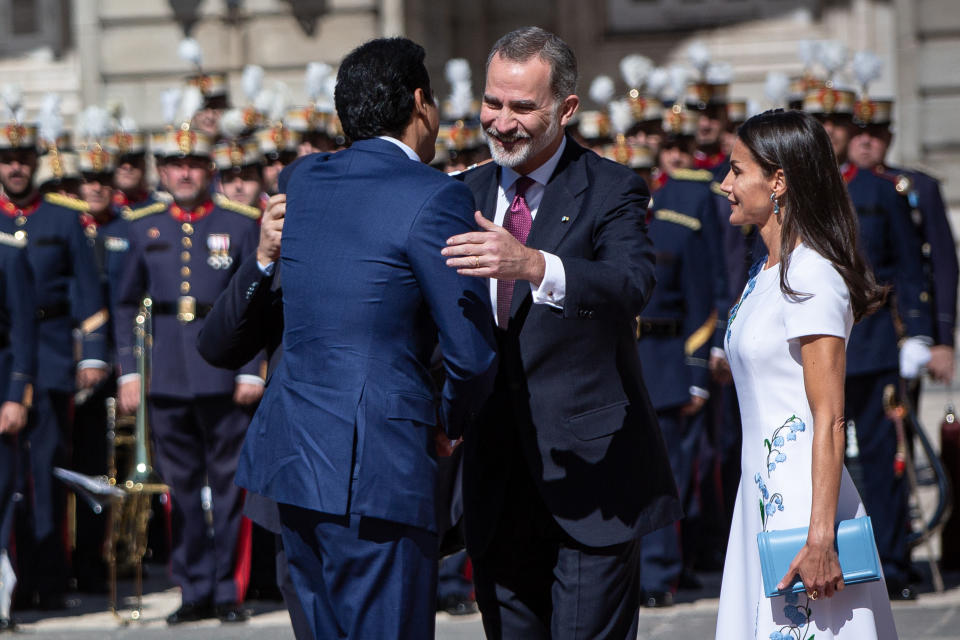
92,222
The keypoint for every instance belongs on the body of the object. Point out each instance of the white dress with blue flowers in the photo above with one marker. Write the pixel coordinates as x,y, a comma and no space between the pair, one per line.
775,484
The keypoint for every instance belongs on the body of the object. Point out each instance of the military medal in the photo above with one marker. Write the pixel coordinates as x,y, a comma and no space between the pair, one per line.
219,246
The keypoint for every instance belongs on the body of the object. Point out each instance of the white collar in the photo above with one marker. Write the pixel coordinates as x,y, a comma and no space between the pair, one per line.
403,147
541,174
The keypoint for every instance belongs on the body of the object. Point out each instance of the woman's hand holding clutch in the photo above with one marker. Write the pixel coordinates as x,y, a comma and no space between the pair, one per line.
819,569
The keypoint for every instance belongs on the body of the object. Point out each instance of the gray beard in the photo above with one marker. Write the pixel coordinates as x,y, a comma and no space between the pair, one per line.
526,152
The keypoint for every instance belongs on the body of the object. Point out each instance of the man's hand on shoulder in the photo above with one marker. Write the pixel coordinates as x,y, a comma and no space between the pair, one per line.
493,252
271,229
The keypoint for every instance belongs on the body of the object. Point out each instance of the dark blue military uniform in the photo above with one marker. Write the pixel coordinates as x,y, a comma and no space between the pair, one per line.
184,260
674,338
18,361
109,242
62,262
892,249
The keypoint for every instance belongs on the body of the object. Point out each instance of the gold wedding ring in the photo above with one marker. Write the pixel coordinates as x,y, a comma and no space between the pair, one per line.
814,595
477,258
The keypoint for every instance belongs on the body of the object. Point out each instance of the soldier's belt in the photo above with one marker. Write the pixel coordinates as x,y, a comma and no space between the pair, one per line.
186,309
51,311
647,328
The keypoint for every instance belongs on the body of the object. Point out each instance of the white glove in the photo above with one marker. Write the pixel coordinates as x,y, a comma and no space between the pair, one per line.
914,356
8,580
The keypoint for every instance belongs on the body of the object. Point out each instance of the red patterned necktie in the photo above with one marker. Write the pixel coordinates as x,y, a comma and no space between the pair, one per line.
518,222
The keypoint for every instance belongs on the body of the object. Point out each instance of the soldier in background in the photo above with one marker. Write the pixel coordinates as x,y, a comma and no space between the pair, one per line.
128,147
278,144
240,172
893,249
62,264
183,254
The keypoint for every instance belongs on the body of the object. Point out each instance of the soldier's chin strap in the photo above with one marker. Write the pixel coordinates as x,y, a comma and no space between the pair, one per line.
8,580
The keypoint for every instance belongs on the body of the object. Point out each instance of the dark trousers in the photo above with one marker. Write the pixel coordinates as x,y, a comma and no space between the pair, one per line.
884,494
534,581
197,443
37,519
661,559
361,577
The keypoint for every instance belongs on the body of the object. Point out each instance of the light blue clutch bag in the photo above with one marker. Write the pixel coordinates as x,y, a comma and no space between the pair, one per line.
856,548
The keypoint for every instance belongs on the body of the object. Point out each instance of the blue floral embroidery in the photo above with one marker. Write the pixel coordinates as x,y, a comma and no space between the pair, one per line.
751,283
770,504
799,616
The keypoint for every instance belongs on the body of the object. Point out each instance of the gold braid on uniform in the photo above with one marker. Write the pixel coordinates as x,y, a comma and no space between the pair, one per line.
700,337
94,322
13,240
66,201
715,188
224,202
678,218
143,212
696,175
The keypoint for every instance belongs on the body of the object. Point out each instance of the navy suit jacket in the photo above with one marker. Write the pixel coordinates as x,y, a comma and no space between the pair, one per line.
345,424
569,384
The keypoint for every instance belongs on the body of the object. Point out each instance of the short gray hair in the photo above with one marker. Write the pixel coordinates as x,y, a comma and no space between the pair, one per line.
524,43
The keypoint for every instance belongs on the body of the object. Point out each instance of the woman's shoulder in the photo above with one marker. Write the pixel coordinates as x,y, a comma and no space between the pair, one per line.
810,272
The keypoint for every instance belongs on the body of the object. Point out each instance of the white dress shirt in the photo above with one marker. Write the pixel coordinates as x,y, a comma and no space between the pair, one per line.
553,287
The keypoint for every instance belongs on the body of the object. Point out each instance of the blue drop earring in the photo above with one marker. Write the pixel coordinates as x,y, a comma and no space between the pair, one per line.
776,205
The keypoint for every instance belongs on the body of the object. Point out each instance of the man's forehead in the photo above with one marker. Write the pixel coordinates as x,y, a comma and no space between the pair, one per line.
516,77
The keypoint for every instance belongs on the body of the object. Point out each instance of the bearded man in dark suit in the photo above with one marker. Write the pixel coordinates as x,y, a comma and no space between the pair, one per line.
566,469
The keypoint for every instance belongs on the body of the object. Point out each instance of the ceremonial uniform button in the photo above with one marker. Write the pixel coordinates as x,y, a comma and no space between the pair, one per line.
20,220
187,228
184,287
924,297
185,256
184,272
187,242
20,235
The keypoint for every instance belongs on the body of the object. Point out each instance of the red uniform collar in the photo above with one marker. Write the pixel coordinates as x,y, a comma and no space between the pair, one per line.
180,215
703,161
849,172
658,180
13,210
88,220
121,200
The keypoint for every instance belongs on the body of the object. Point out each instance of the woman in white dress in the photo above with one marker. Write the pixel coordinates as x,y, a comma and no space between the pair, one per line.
786,344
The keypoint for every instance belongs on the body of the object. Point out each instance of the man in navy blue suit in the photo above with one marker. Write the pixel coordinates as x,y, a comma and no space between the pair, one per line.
344,437
566,470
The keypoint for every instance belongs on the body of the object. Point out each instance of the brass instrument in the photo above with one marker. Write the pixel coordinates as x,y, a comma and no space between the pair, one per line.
131,510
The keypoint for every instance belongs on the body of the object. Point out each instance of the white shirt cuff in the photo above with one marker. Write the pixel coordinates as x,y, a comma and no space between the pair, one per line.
717,352
267,269
92,364
129,377
700,393
247,378
553,287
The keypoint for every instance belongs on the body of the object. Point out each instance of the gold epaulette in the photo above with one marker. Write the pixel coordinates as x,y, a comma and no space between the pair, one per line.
18,240
66,201
678,218
715,187
697,175
143,212
224,202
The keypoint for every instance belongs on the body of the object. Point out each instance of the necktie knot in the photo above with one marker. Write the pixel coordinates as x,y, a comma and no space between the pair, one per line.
521,185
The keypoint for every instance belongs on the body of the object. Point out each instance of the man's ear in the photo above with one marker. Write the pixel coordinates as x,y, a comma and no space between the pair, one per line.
421,102
568,107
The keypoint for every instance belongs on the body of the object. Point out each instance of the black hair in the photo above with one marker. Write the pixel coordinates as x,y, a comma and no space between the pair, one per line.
816,206
375,88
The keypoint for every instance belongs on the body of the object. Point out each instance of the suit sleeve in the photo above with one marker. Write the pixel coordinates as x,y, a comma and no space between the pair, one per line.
913,308
257,365
21,305
619,278
130,291
91,309
236,328
459,306
943,259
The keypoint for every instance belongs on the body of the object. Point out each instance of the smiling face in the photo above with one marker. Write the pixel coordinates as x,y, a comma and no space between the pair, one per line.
523,120
748,189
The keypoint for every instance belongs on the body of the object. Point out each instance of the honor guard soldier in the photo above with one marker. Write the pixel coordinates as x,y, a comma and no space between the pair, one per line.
182,255
128,146
18,364
239,166
893,249
106,233
212,85
312,121
707,97
66,290
676,331
868,150
460,138
278,144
